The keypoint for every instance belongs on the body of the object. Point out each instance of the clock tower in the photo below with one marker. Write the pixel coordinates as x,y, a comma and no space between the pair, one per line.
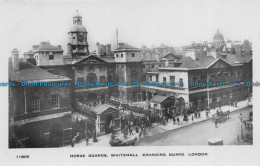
78,44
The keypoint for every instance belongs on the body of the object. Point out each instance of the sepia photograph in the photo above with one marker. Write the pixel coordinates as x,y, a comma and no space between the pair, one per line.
139,75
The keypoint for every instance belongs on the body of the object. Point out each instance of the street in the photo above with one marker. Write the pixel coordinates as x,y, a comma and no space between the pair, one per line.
199,133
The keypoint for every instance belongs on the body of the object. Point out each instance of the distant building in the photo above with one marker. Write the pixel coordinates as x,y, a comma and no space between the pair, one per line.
218,40
48,55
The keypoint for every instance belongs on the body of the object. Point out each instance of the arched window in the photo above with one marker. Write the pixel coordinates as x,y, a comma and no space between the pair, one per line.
92,78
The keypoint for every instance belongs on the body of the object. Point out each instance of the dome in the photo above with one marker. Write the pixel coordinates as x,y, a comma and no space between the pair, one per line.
246,42
218,36
77,15
77,28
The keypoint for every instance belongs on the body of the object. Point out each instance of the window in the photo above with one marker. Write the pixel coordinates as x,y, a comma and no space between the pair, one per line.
36,104
152,66
194,79
121,55
55,101
160,65
164,79
102,79
80,69
133,55
225,77
80,79
91,68
181,82
157,78
117,55
122,66
73,37
172,79
102,68
51,57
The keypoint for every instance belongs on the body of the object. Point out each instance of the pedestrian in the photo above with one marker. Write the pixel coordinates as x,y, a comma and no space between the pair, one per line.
136,129
178,120
195,114
192,118
73,142
173,120
94,136
216,123
87,140
241,117
199,113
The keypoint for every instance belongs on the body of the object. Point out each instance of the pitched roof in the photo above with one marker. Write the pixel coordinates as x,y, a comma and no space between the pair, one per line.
205,61
171,57
30,73
91,59
235,59
158,99
102,108
188,62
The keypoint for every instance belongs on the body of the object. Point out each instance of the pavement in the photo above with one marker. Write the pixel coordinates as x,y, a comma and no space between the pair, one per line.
103,140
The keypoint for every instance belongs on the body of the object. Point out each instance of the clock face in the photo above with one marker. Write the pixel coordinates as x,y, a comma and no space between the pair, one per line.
80,37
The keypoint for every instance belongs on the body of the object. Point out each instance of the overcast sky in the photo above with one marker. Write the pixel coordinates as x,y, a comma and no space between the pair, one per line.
175,22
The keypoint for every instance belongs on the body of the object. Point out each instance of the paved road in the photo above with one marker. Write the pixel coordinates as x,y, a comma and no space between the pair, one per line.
199,133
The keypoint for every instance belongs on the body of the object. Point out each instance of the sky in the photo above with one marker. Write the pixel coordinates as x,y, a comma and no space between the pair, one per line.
140,22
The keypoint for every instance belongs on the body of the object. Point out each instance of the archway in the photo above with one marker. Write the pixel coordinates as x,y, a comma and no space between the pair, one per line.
150,96
134,96
143,95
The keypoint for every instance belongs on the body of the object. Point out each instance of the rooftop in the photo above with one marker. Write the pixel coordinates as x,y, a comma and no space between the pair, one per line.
30,73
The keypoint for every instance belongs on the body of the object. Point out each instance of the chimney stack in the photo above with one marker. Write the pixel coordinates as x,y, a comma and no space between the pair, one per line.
108,49
98,49
15,59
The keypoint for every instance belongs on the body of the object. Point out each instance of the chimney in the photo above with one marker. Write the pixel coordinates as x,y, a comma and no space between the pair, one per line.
108,49
166,63
157,58
190,53
238,50
98,49
15,60
120,44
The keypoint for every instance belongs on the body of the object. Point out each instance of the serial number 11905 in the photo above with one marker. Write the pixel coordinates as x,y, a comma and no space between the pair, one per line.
22,156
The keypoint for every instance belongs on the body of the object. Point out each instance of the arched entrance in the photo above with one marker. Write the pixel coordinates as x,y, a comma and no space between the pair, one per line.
56,136
134,96
143,95
150,95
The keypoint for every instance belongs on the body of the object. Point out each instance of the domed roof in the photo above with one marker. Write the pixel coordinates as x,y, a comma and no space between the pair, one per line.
77,28
77,15
218,36
246,42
